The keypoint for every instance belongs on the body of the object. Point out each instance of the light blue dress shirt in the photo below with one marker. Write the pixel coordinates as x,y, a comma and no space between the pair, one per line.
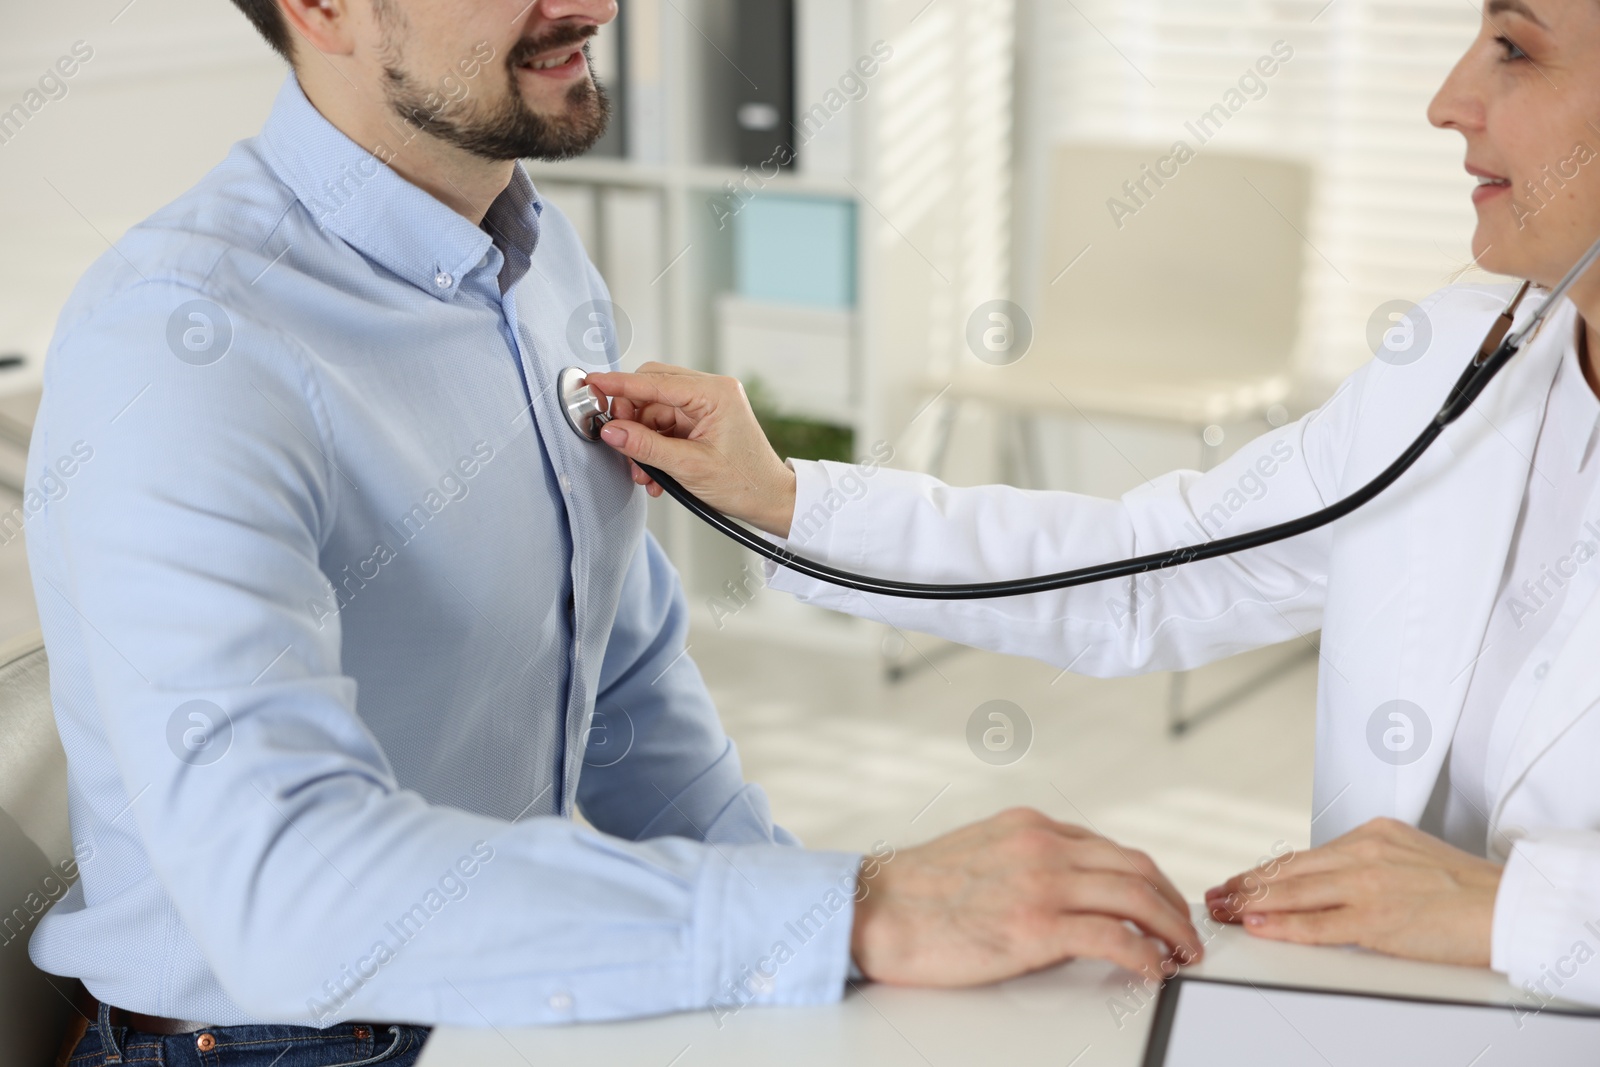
345,623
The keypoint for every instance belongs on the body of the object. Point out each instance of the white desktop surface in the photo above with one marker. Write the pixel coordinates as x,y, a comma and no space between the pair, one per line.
1059,1017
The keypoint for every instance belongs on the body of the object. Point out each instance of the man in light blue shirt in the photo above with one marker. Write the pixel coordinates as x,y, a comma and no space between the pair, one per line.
345,624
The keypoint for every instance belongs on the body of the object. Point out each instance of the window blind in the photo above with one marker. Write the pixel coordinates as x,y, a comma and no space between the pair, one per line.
1391,216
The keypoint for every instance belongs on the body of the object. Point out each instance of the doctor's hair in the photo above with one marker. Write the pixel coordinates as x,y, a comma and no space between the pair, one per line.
268,20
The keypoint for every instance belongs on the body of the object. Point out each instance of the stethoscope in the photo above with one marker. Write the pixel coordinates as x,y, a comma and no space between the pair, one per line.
587,414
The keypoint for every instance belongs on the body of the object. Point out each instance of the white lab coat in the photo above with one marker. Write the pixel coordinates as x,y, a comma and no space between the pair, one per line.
1402,591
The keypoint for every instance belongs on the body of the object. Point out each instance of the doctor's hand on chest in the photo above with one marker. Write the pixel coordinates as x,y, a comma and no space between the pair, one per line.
700,429
1385,885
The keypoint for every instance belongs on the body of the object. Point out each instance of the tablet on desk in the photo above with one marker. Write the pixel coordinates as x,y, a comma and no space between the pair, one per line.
1203,1022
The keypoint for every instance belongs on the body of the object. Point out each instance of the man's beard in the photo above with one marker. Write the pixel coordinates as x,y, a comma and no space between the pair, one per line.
511,130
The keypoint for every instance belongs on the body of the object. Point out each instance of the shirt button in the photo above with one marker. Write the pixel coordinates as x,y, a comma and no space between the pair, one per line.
560,1001
1541,670
566,483
443,280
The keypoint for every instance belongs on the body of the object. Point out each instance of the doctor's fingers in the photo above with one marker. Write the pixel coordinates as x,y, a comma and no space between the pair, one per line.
1334,926
641,478
1257,881
662,418
1310,892
643,444
695,392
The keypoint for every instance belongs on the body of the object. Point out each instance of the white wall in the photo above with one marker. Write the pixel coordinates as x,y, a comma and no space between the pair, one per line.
171,84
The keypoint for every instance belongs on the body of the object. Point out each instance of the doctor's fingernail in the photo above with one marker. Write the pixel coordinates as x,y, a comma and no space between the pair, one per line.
614,435
1255,920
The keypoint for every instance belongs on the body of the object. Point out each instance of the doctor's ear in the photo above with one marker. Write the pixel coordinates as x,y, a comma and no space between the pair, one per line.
328,26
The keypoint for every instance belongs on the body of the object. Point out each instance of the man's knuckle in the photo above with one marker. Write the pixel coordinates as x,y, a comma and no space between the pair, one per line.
1035,842
1368,849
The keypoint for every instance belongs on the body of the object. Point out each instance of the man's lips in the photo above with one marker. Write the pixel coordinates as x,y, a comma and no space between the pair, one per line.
558,61
559,66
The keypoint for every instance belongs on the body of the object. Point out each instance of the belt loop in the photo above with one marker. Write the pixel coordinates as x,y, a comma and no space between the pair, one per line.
108,1040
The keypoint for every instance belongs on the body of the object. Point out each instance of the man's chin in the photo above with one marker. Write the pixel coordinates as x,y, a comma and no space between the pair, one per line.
569,123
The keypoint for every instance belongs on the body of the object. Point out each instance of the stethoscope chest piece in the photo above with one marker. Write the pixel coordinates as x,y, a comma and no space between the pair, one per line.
585,411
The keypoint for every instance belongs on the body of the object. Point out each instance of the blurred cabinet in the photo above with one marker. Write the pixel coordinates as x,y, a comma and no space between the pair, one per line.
904,154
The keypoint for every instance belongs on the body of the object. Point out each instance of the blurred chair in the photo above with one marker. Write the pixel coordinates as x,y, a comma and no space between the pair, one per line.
1180,308
35,842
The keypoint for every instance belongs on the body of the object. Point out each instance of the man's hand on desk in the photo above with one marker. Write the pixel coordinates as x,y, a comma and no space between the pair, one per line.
1011,894
1385,885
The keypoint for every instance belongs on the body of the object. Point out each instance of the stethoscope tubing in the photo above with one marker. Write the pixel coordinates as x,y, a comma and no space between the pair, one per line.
1045,583
1498,347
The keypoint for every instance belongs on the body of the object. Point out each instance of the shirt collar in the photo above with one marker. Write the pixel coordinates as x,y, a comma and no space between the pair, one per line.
399,226
1574,405
513,222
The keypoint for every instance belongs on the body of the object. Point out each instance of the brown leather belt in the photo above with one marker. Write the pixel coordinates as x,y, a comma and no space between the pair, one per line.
88,1015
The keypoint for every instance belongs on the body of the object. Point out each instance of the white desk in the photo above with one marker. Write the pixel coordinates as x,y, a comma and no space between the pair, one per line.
1057,1017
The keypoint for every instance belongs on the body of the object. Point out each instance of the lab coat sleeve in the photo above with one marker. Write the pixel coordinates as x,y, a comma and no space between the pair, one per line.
657,762
1547,916
187,553
896,524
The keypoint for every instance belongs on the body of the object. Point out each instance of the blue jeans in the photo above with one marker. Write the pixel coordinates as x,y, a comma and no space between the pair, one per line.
344,1045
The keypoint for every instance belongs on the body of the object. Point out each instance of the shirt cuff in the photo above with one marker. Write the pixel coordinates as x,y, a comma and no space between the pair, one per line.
1547,915
775,927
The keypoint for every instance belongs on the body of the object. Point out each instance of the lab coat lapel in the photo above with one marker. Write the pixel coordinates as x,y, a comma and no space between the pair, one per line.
1460,536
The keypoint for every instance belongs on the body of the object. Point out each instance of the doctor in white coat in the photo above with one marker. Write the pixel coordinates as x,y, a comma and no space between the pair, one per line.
1457,791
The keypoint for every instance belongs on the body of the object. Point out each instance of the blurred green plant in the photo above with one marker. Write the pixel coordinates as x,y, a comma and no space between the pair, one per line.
796,437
